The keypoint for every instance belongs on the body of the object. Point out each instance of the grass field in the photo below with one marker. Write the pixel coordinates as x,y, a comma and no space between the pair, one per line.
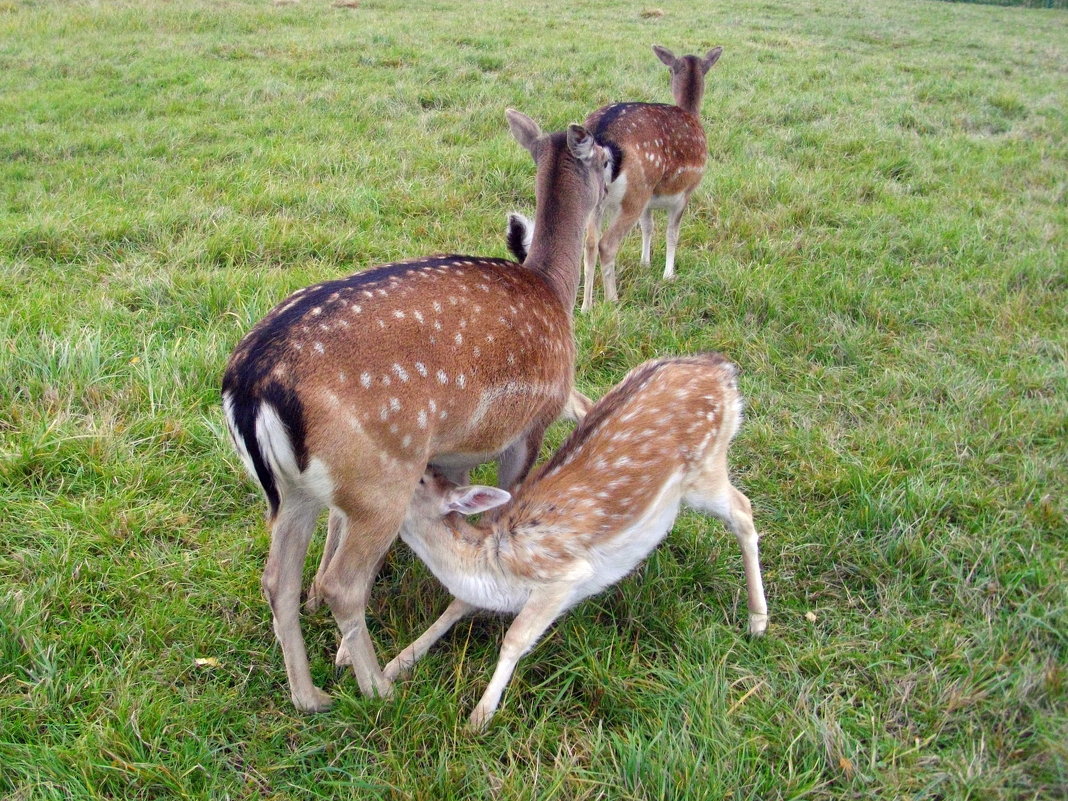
880,242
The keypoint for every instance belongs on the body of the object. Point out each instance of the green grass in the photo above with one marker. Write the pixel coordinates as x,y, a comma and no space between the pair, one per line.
879,242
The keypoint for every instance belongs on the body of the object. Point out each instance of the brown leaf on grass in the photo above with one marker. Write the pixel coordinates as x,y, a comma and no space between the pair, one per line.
346,4
847,767
651,13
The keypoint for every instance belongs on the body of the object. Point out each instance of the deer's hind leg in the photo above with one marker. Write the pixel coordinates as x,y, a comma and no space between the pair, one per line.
629,213
291,531
335,529
369,513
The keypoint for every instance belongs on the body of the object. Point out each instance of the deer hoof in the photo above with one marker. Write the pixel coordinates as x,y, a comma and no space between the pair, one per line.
318,701
479,720
758,624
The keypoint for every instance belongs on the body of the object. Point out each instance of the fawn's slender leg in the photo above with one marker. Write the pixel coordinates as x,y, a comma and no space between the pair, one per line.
741,524
543,607
714,494
403,661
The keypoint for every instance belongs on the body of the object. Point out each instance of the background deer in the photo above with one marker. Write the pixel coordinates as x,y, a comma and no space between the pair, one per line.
659,153
590,514
343,394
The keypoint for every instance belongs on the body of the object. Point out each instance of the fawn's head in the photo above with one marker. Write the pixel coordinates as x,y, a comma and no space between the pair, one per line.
436,497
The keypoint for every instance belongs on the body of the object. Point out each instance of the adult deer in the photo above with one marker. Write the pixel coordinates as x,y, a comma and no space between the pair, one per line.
345,391
591,513
659,155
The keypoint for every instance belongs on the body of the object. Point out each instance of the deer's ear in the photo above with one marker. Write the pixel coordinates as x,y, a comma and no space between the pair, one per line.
711,58
664,55
580,142
475,499
523,128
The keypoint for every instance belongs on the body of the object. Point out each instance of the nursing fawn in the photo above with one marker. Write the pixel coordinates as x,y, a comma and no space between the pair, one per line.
659,155
590,514
341,396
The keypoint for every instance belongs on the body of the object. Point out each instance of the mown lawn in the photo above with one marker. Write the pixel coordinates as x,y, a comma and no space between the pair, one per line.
879,242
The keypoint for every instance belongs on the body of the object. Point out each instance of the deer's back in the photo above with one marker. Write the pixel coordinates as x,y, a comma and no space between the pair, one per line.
662,144
623,470
424,357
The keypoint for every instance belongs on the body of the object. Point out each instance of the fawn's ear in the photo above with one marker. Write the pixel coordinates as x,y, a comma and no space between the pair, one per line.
475,499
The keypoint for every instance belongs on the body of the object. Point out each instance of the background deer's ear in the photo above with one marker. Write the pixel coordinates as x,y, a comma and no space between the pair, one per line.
580,142
665,55
523,128
475,499
711,58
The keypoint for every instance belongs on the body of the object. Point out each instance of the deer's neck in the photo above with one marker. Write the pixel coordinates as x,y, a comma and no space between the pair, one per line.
688,96
559,230
464,558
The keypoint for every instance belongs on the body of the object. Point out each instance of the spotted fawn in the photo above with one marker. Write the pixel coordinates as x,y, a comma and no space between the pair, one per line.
589,515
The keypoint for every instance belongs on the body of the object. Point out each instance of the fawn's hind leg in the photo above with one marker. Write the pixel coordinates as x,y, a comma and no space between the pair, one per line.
717,496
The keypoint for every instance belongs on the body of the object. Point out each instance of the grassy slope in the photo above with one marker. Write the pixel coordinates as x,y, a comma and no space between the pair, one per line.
879,243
